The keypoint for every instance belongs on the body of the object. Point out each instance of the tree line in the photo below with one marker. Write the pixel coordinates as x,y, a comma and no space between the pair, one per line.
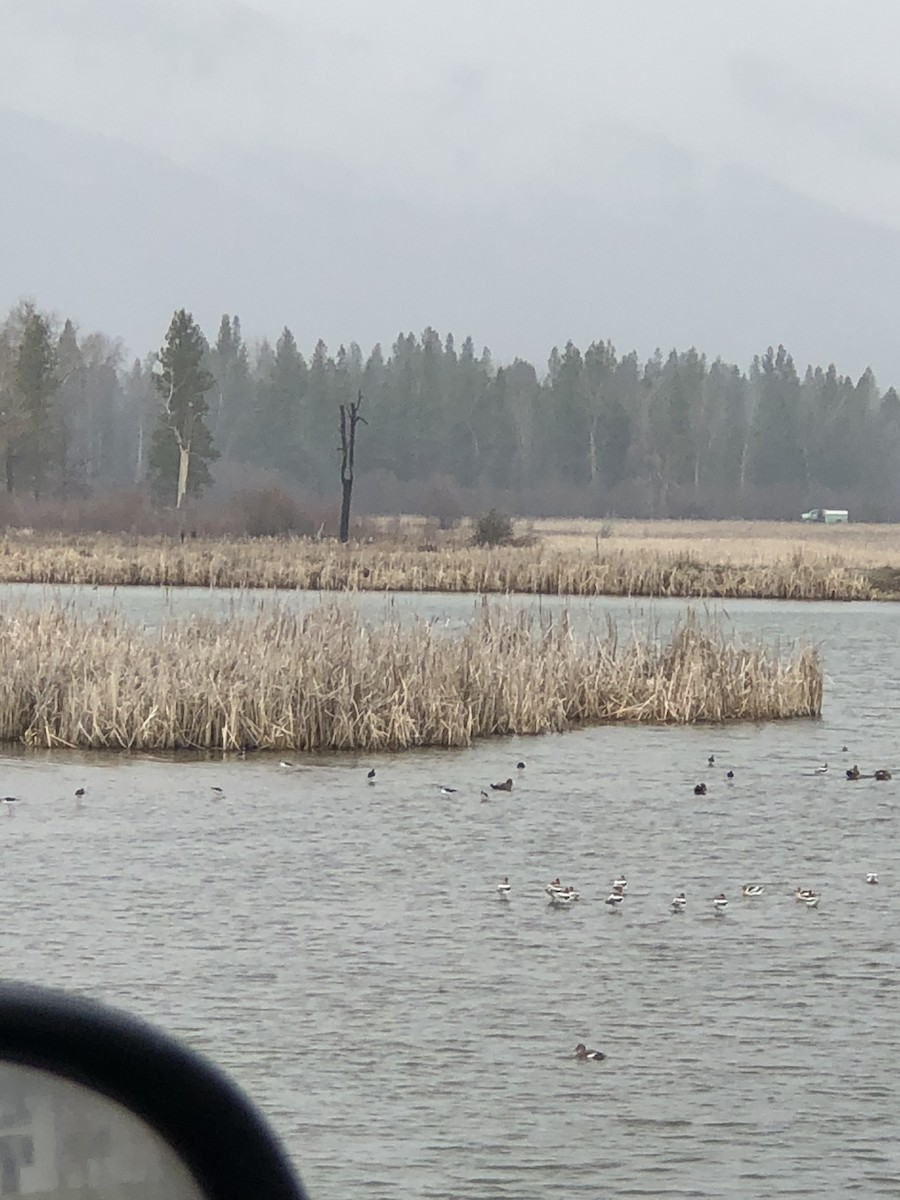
593,432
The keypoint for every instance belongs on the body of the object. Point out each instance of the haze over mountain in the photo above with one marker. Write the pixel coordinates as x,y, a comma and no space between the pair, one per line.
351,175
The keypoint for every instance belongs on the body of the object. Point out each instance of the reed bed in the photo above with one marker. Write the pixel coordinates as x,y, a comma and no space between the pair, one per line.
328,681
607,570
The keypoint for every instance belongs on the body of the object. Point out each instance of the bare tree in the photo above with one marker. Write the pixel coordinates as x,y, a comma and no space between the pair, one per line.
350,418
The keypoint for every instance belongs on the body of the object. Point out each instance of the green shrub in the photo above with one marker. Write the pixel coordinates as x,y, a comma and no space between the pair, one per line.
493,529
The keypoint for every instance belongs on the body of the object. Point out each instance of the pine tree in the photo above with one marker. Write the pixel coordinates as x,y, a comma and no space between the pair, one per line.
35,384
182,445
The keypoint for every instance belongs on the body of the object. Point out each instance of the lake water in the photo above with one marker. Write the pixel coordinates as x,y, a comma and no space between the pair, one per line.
340,947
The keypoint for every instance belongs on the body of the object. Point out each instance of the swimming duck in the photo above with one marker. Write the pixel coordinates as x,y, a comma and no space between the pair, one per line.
872,877
520,766
853,772
882,774
823,770
447,791
679,903
620,884
711,761
563,897
584,1055
484,796
752,889
285,763
370,776
729,774
720,903
811,901
699,789
615,898
506,786
79,792
803,893
503,888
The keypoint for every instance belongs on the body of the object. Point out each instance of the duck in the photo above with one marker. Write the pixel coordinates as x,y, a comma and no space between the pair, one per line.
699,789
520,766
872,877
811,901
711,761
584,1055
371,776
285,763
729,774
620,884
448,791
506,786
484,796
503,888
79,792
679,902
720,903
803,893
853,772
882,774
615,898
823,770
752,889
563,897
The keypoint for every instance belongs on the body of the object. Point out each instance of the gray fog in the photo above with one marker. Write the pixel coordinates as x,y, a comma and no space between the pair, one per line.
657,173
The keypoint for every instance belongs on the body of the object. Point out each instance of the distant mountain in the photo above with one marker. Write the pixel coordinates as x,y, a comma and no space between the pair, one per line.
118,239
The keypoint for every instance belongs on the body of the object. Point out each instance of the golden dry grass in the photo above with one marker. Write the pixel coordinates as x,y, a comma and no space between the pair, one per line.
620,558
733,543
326,680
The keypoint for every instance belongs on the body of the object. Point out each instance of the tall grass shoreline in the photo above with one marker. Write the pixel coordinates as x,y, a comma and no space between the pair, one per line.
328,681
607,570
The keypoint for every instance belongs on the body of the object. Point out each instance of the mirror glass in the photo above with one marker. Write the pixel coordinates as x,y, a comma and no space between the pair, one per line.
58,1139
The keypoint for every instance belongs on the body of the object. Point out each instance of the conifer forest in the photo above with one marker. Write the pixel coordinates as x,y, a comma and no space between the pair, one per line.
448,431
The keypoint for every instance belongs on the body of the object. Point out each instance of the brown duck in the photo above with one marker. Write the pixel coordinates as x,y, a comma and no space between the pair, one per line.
506,786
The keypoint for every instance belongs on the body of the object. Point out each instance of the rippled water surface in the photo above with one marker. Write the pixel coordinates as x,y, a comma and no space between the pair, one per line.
340,947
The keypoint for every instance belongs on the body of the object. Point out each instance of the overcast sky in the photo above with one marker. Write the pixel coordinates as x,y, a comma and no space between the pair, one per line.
659,172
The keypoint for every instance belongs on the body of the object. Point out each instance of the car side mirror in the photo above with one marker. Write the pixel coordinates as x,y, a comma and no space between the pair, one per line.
96,1101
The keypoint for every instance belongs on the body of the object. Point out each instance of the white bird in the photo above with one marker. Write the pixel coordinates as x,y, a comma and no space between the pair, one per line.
563,899
720,903
823,770
447,791
679,903
872,877
803,893
811,901
752,889
621,883
285,763
615,898
503,888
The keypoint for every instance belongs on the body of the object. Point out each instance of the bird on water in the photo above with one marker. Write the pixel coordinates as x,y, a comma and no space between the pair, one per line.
584,1055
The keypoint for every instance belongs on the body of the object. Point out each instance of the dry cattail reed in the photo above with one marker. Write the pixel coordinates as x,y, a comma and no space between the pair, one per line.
327,680
617,566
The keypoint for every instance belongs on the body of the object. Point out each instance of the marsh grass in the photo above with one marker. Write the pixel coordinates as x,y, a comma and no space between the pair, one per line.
608,569
328,681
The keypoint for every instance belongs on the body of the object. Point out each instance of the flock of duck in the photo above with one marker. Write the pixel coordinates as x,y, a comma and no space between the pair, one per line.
563,894
852,773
